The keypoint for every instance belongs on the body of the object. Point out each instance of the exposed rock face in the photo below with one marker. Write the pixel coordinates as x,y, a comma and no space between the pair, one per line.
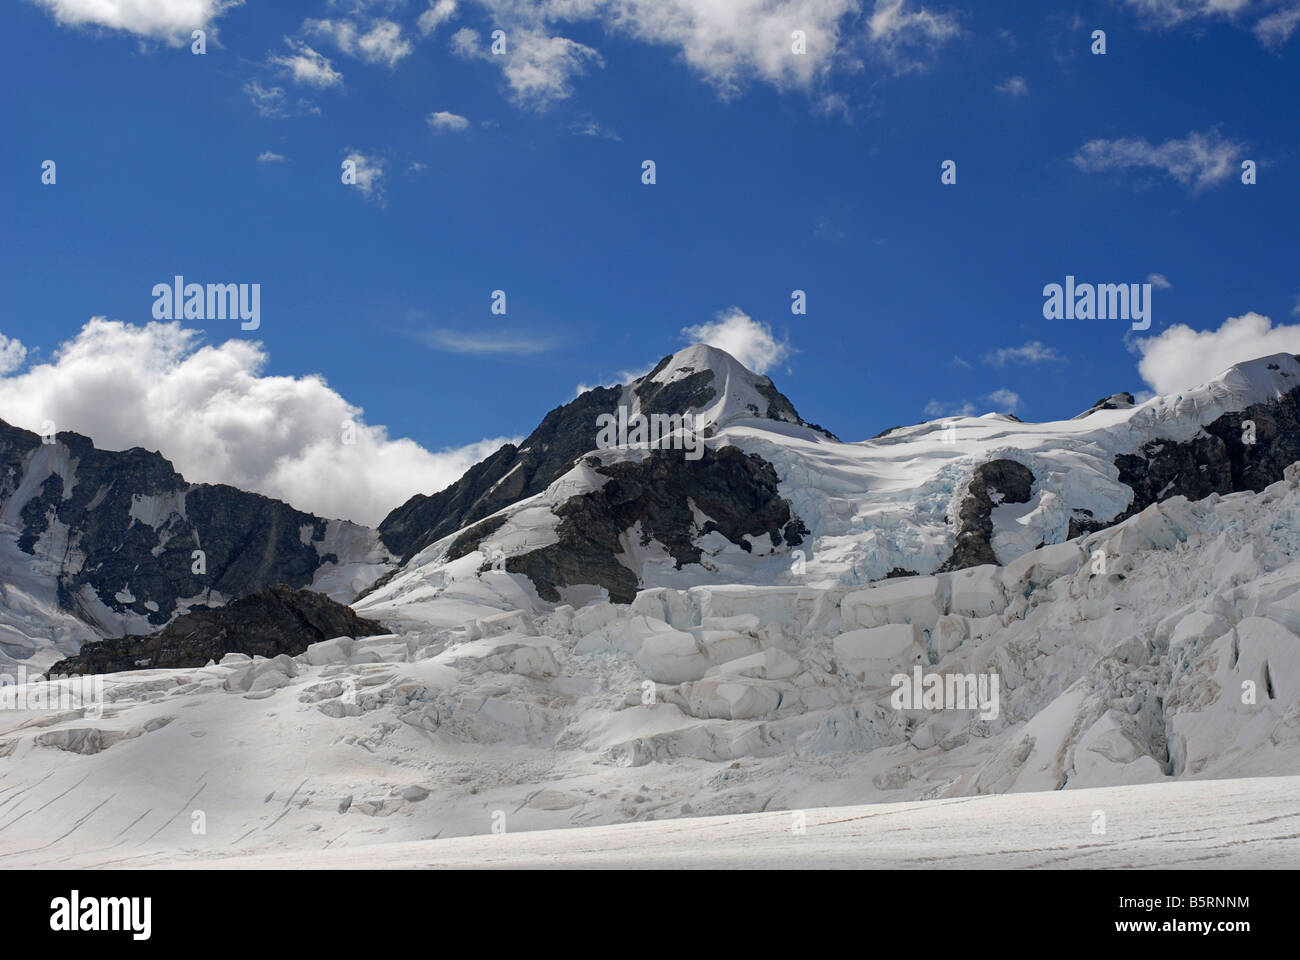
1014,481
694,390
738,492
1116,401
120,529
566,434
509,475
470,539
275,621
1219,460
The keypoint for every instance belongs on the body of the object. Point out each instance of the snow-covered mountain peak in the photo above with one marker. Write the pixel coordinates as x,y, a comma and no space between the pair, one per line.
1239,386
712,385
1252,381
691,360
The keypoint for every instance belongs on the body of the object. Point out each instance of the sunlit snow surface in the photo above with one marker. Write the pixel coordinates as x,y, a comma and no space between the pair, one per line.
539,721
1210,824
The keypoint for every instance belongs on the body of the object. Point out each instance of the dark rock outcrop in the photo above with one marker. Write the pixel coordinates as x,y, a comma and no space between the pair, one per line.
507,476
1015,482
1227,456
1116,401
117,521
1082,521
276,620
470,539
737,491
694,390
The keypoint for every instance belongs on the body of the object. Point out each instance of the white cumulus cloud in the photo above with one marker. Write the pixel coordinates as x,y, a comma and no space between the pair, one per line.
537,65
732,43
790,44
369,175
169,20
212,411
446,120
736,332
381,42
1181,357
1004,400
439,12
12,354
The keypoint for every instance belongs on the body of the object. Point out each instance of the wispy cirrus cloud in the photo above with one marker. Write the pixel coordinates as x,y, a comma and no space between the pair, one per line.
1198,160
1271,21
498,342
269,101
1001,400
306,66
944,408
909,35
1170,13
586,126
369,174
1035,351
274,102
1013,87
1277,28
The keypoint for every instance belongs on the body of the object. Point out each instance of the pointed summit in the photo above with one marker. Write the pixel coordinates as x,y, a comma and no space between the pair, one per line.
715,386
701,380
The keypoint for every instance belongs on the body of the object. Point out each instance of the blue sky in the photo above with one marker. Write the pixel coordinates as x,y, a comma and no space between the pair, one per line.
774,173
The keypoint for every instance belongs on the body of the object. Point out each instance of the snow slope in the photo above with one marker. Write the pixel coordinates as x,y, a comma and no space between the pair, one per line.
1206,824
712,701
